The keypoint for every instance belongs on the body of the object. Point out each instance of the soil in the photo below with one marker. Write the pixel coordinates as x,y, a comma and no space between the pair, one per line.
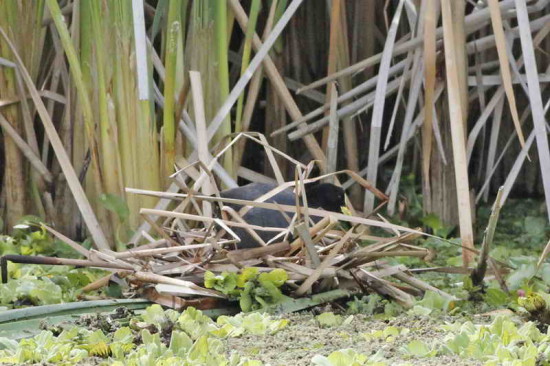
303,338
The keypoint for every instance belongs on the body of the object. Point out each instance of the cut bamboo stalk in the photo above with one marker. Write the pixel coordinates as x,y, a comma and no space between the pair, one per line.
154,278
472,47
493,141
168,126
458,10
235,216
457,131
202,140
303,231
338,59
77,247
518,162
253,176
332,139
247,49
415,282
430,24
544,254
535,98
286,208
516,167
241,255
414,93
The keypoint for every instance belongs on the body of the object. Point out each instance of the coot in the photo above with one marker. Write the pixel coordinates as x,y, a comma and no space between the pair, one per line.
319,195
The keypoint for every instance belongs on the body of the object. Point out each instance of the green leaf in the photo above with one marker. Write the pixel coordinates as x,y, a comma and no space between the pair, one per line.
245,302
180,343
195,323
247,274
7,245
535,226
123,342
367,305
328,320
154,314
419,349
6,343
545,273
430,302
114,290
278,277
225,282
345,357
391,332
254,323
207,351
438,227
116,204
38,291
124,335
458,343
496,297
524,273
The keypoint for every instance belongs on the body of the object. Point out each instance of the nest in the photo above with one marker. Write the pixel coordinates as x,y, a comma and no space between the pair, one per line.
189,232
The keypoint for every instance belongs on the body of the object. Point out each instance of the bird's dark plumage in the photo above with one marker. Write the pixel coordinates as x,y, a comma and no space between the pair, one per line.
324,195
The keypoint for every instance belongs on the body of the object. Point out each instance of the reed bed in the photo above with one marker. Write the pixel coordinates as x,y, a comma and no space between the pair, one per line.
100,96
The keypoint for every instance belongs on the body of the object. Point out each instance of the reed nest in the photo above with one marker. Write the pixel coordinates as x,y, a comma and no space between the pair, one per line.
190,232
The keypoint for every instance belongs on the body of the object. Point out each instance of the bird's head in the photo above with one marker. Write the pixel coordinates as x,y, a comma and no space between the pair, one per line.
326,196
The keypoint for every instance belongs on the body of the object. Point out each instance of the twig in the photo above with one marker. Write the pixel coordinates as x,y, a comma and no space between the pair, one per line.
478,274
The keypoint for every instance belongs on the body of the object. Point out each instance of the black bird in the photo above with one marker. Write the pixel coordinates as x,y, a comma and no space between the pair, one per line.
319,195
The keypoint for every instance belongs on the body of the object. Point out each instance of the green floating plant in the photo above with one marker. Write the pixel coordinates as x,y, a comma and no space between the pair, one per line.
432,302
254,323
346,357
193,339
502,342
253,289
417,348
329,319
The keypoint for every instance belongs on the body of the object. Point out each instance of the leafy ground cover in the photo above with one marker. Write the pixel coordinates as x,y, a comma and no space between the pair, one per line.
167,337
36,284
404,340
157,337
484,326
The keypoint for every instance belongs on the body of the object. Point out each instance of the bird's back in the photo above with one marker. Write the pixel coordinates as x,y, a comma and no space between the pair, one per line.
257,215
325,196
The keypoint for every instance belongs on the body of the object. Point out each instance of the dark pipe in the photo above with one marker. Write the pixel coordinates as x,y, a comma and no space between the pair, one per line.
27,259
